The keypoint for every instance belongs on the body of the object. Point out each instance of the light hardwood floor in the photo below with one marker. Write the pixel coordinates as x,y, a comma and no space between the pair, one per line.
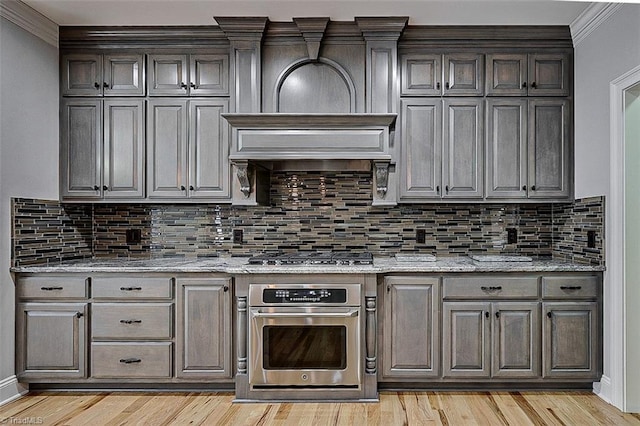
394,408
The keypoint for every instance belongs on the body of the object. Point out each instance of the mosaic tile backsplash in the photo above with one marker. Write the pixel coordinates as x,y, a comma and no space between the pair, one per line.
310,211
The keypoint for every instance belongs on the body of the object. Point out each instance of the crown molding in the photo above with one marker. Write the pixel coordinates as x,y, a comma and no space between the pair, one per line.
30,20
591,18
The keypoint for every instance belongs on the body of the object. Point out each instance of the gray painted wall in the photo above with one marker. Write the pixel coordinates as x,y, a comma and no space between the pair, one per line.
607,53
28,149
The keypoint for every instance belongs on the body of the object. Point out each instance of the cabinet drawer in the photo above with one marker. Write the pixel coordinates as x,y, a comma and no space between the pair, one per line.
570,287
132,288
490,287
52,287
131,321
131,360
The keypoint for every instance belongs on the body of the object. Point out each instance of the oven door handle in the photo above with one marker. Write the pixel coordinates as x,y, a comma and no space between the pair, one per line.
348,314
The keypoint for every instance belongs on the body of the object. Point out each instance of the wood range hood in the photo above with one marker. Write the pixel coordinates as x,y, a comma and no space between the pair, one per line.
311,142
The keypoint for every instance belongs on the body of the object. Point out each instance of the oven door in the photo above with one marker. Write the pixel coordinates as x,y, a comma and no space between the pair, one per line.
305,347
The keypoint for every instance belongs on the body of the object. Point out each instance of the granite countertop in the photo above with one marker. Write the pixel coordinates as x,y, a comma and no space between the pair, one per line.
239,265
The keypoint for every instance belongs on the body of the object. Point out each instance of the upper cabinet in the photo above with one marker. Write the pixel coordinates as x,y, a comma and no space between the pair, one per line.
96,74
455,74
188,75
528,74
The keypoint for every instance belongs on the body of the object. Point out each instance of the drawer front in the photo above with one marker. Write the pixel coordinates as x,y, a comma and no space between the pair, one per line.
52,287
131,360
131,288
119,321
570,287
490,287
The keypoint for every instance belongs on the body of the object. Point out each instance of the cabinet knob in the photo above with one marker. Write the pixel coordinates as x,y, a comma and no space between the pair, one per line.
438,85
79,314
498,314
96,85
438,189
105,85
388,289
549,314
225,288
183,188
96,188
486,314
191,188
524,84
193,85
446,85
105,188
184,86
524,187
446,188
534,85
533,187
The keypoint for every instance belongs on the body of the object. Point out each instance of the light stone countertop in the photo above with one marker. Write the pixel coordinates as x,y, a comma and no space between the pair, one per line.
239,265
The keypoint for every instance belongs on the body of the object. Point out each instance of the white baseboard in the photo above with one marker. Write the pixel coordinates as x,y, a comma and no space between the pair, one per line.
603,389
11,389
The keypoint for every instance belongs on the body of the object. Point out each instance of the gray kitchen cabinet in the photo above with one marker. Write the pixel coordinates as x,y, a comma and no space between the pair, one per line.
203,345
410,343
102,149
433,74
528,149
51,341
188,75
96,74
516,334
466,339
188,149
442,152
522,74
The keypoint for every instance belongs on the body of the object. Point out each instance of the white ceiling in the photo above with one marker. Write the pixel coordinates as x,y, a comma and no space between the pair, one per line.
201,12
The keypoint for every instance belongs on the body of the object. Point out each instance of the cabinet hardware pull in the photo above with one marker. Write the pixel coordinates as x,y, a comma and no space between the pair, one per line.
130,360
105,85
524,187
96,85
446,188
96,188
225,288
438,86
105,188
491,288
131,321
524,84
193,86
486,314
438,189
446,85
50,288
534,85
184,86
549,315
191,188
533,187
79,314
130,288
570,287
498,314
183,188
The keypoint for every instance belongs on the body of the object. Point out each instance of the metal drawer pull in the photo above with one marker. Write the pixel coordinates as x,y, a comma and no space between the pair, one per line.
130,360
51,288
130,288
131,321
485,288
570,287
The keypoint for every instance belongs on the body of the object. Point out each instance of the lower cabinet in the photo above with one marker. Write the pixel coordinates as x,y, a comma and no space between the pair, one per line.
411,328
204,328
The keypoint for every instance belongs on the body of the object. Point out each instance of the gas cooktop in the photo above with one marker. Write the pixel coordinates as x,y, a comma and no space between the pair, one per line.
313,258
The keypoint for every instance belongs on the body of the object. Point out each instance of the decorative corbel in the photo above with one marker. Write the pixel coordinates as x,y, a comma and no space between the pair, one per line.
312,30
242,173
381,169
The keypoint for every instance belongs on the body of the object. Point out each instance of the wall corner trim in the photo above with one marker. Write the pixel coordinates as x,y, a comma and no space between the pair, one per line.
590,19
11,389
30,20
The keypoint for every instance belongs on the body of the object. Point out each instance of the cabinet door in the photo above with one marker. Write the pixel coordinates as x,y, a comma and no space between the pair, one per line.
421,75
82,74
506,74
571,340
466,339
463,146
506,170
463,74
124,75
208,149
516,339
411,339
550,159
204,328
51,341
209,75
168,75
124,148
549,75
421,158
81,148
167,144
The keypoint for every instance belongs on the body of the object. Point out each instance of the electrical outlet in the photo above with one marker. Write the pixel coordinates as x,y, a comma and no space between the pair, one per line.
237,236
591,239
134,236
512,236
421,236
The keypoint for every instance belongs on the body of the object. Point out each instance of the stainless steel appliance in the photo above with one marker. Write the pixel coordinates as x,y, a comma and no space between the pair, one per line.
305,335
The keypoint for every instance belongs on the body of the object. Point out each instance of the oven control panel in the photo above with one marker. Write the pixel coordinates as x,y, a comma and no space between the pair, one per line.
299,295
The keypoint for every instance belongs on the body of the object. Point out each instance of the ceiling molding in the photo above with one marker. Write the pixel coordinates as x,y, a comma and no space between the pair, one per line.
590,19
30,20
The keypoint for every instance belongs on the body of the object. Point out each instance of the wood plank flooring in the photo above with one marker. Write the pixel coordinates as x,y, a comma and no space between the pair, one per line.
394,408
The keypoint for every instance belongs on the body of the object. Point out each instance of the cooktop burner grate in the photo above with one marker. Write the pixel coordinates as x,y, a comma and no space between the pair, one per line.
313,258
